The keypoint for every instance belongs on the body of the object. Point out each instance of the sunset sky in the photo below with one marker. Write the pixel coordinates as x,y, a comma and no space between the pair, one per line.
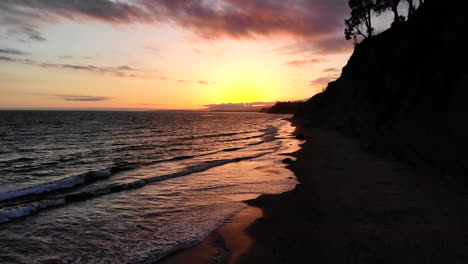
167,54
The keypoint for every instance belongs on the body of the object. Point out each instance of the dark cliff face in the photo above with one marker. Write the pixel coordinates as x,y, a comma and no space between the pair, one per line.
405,92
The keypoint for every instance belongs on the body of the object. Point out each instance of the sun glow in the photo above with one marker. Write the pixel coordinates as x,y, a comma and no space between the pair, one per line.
240,93
244,81
165,69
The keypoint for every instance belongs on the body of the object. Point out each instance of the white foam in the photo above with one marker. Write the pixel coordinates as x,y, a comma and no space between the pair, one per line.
14,212
56,185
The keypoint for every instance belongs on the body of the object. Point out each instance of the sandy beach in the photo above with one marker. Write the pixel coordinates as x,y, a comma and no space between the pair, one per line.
350,207
225,245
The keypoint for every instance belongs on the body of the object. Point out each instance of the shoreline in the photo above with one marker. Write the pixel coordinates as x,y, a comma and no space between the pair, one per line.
224,245
232,239
352,206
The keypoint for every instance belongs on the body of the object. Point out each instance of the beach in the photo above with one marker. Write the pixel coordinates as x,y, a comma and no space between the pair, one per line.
352,206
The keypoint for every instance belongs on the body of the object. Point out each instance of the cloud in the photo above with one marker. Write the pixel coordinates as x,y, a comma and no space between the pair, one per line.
328,45
254,106
25,30
120,71
126,68
182,81
312,20
81,98
331,70
51,10
249,18
323,80
196,51
8,59
152,49
65,57
302,63
150,104
8,51
202,82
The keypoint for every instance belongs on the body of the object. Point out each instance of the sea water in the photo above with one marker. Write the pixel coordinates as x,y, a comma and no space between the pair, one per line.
130,187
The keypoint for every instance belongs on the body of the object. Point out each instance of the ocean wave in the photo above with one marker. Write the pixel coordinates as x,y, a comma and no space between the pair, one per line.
244,138
61,184
231,149
181,158
78,180
16,160
20,210
7,214
216,135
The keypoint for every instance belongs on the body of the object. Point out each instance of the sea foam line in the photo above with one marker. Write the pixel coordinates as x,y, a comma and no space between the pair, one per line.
56,185
10,213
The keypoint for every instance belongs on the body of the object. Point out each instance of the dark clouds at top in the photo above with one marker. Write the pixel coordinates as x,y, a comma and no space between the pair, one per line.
12,52
316,22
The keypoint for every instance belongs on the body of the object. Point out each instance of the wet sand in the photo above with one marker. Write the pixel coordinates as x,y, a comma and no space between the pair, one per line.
352,207
225,245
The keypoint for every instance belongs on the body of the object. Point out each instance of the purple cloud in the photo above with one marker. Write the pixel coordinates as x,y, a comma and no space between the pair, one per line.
255,106
120,71
81,98
328,45
66,57
309,20
305,62
8,51
323,80
331,70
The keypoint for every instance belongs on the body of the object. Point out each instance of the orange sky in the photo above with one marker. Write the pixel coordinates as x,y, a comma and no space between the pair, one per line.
169,56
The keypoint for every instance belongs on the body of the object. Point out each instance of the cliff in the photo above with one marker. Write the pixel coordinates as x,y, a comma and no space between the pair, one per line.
405,91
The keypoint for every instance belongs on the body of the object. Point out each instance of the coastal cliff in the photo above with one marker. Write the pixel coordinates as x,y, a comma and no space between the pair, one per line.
404,93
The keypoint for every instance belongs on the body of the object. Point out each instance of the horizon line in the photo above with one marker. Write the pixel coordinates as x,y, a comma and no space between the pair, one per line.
91,109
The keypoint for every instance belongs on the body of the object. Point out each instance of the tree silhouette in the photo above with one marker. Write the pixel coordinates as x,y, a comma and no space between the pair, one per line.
360,22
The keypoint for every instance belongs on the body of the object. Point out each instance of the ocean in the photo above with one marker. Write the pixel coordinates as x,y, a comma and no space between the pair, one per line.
130,187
